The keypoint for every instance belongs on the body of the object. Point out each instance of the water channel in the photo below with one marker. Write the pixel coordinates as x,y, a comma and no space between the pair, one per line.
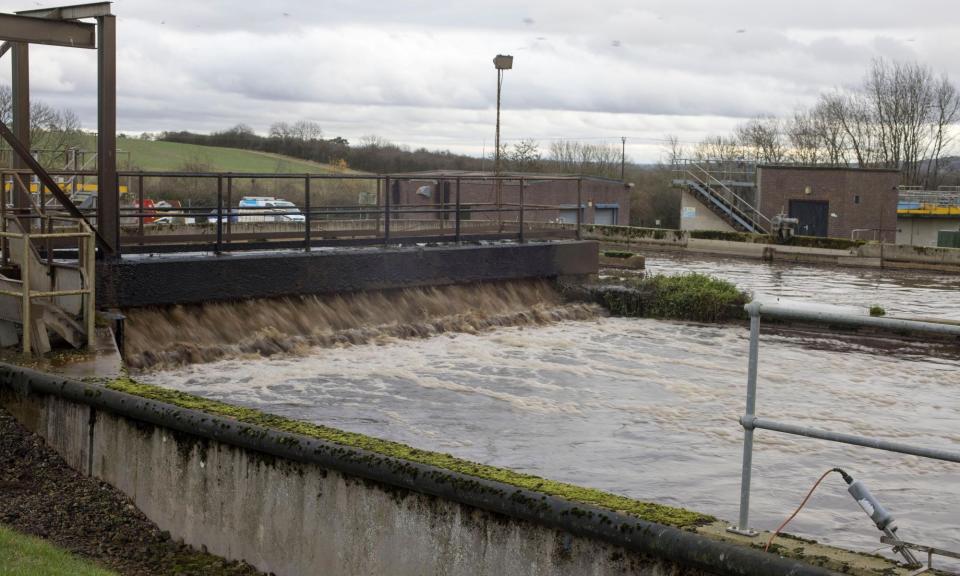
649,408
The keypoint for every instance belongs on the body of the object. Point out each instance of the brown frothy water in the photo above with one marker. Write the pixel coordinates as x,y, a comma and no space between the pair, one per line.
164,337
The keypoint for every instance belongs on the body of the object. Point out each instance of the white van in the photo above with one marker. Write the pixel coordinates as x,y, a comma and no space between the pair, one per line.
268,209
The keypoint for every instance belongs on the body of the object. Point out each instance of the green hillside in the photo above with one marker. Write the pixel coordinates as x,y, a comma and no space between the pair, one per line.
174,156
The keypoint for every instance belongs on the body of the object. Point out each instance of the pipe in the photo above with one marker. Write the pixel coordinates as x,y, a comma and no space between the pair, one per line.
835,318
629,532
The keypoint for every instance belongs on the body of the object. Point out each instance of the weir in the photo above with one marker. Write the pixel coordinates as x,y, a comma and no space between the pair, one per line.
203,267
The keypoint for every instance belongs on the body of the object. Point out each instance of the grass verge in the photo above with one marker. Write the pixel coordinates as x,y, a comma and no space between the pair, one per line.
22,555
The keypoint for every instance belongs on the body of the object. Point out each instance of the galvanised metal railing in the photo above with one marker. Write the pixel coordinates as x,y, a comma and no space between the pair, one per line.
751,422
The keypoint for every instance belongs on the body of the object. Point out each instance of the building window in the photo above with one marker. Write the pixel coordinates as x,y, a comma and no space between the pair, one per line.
856,199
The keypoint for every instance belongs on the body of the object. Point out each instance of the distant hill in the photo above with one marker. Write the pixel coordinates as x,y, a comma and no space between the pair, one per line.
174,156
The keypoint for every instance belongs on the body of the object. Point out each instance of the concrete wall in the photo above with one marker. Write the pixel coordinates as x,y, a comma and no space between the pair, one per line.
475,193
841,188
872,254
134,282
694,215
922,231
320,510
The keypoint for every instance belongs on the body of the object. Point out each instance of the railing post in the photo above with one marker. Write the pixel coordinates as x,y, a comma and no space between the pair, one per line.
743,525
25,288
91,268
140,196
579,205
386,210
219,248
229,206
457,221
5,245
306,213
521,211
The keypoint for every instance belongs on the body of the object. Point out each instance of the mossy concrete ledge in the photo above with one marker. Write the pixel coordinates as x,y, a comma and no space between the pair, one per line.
295,498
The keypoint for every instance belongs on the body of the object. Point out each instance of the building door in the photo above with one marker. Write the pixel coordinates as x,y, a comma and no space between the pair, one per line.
813,216
605,215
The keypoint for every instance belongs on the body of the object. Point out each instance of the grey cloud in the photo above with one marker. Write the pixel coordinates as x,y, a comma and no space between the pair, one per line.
419,72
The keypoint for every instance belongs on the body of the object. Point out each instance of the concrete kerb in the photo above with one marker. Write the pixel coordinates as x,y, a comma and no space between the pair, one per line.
631,533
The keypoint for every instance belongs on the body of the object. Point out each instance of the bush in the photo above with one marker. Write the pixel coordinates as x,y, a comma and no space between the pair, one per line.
876,310
617,254
695,297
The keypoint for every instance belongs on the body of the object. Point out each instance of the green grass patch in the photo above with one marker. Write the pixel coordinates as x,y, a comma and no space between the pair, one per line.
694,297
22,555
175,156
877,310
649,511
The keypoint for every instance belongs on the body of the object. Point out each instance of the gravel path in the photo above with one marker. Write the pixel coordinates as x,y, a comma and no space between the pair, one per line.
41,495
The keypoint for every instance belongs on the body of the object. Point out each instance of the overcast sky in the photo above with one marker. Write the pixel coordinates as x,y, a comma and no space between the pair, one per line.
421,72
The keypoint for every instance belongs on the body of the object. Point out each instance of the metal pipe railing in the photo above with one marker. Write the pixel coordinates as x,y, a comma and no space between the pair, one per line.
750,421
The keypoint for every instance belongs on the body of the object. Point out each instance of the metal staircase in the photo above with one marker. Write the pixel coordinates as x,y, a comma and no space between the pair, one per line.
719,196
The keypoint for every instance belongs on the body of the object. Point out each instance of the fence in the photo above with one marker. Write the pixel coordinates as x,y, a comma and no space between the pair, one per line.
185,211
750,421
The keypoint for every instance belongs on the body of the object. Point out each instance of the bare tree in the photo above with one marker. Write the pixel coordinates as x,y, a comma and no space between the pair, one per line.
673,150
945,112
829,128
761,139
525,156
806,145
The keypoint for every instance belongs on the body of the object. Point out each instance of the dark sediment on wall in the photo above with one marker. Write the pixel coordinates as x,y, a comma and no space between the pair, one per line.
42,496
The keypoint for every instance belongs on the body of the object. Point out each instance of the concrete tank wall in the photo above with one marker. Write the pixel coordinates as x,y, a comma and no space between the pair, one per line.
294,514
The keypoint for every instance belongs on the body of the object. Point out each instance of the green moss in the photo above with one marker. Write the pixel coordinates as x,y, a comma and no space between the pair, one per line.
805,241
695,297
728,236
645,510
877,310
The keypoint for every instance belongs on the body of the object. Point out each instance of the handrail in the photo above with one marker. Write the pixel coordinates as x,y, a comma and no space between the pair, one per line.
734,194
750,421
86,260
752,216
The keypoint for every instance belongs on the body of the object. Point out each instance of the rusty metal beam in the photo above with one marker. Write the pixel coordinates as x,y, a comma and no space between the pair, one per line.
21,97
74,12
15,28
108,193
46,179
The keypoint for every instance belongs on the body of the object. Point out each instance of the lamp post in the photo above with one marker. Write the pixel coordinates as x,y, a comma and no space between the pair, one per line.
501,63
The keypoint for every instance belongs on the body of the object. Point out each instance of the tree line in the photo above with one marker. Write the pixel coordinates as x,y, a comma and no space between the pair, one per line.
52,130
900,116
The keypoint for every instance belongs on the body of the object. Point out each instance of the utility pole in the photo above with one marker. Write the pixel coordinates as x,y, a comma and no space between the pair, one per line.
623,157
501,63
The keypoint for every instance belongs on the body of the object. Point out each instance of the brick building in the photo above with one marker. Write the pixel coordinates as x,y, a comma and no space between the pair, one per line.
838,202
829,201
602,200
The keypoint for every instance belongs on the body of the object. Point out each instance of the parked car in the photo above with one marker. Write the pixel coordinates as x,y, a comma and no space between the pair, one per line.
268,209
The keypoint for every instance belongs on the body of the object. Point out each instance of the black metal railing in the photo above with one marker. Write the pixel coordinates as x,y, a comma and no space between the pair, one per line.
220,211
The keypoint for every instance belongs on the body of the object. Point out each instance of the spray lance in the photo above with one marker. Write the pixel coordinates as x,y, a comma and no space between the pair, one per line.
868,502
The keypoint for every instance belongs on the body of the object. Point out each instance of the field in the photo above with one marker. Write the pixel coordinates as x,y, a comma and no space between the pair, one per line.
174,156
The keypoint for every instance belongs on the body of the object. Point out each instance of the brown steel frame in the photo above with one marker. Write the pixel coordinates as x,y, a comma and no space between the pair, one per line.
59,26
